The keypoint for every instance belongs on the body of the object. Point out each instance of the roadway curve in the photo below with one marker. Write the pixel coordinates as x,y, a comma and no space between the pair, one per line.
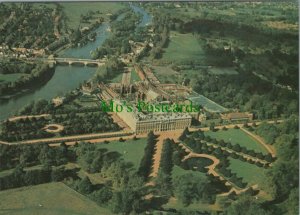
260,140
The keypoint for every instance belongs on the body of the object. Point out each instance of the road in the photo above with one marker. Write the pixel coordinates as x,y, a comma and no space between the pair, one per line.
260,140
103,136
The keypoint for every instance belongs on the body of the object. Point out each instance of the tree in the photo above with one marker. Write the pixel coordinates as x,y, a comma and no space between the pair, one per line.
237,147
190,188
184,134
146,162
85,186
212,126
166,163
291,205
246,205
57,174
163,184
103,195
129,199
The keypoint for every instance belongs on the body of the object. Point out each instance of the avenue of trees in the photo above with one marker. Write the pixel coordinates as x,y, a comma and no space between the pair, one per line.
146,163
163,181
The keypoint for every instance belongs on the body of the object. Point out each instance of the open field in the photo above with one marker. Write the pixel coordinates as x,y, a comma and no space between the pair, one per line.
183,47
131,150
236,136
166,74
250,173
178,171
74,10
10,77
47,199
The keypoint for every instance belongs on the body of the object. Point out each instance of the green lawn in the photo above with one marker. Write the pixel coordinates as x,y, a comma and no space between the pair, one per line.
250,173
178,171
166,74
183,47
47,199
236,136
74,10
131,150
10,77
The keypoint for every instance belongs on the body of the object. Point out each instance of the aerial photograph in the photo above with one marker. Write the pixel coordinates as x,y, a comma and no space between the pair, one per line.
149,108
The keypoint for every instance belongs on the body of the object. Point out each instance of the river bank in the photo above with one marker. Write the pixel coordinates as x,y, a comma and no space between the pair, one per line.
65,78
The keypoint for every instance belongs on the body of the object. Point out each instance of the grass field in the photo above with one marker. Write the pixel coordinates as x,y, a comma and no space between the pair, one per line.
10,77
47,199
250,173
178,171
183,47
74,10
166,74
236,136
131,150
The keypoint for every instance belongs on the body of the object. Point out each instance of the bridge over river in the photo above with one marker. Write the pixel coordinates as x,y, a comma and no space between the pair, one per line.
71,61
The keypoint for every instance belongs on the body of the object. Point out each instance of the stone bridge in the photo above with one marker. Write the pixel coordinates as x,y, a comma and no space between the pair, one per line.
71,61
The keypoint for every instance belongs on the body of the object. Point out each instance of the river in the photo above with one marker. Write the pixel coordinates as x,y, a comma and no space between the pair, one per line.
65,78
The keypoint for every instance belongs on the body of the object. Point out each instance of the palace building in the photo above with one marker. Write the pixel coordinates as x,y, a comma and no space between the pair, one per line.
140,122
147,87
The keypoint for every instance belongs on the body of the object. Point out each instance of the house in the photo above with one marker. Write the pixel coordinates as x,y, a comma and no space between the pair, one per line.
237,116
57,101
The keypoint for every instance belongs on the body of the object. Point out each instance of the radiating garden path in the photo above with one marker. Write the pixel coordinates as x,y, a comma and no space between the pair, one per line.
212,171
27,116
